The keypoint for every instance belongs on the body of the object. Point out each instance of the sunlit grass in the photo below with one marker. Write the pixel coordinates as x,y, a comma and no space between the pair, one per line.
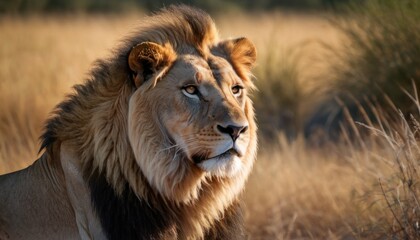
364,185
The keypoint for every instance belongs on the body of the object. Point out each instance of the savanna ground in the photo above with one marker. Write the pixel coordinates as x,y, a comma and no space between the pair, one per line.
362,184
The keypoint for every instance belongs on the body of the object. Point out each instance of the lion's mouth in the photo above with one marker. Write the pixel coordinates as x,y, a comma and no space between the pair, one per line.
199,158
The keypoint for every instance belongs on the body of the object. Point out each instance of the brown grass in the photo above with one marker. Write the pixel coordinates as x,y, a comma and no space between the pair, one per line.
295,191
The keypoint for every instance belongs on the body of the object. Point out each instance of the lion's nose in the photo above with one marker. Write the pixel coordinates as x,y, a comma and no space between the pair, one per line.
232,131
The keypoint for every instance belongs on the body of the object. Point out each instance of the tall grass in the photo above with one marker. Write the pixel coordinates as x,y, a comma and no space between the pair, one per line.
398,187
364,187
380,56
298,192
384,50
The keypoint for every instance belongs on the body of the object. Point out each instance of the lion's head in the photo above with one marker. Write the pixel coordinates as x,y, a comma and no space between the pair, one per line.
194,110
170,114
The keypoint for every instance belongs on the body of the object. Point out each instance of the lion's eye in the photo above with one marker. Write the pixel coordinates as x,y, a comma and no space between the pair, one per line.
190,91
237,90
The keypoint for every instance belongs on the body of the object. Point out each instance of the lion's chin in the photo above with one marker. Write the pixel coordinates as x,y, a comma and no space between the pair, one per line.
224,165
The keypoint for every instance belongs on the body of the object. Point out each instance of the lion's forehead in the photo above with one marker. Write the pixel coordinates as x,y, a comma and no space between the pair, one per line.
214,69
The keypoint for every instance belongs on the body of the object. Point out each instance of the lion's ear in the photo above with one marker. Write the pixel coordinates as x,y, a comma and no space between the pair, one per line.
148,58
241,52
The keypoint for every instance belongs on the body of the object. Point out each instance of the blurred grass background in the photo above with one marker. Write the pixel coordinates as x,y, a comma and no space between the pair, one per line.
115,6
337,104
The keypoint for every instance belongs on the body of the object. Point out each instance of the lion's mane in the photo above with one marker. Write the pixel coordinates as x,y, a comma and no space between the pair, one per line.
93,121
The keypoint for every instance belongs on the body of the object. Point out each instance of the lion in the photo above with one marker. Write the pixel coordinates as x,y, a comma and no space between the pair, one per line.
156,144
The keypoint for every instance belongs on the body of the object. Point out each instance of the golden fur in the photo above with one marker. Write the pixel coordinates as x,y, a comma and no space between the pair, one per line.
127,127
